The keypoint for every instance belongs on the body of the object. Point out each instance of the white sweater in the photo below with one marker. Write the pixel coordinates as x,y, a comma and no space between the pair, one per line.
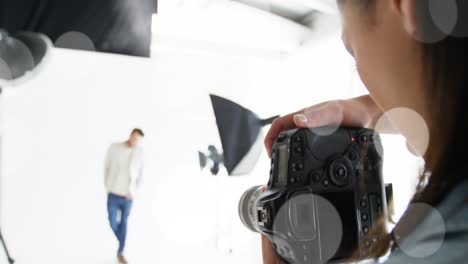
123,169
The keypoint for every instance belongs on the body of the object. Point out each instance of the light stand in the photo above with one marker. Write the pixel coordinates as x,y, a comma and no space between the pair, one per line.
20,56
10,260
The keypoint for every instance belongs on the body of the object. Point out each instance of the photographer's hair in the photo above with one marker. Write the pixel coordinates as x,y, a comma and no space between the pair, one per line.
138,131
446,75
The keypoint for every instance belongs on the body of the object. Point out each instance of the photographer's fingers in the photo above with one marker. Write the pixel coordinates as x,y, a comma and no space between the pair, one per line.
285,123
351,113
279,125
358,112
328,114
269,254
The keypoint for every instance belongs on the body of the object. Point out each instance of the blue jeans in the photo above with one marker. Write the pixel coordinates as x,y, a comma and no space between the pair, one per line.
118,205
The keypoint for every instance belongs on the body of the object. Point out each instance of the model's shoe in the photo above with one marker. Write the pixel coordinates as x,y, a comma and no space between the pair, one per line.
122,260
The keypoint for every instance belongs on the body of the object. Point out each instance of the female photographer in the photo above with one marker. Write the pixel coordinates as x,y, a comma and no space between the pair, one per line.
410,54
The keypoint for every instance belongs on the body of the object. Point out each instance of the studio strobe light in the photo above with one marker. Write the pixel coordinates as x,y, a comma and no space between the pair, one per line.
240,131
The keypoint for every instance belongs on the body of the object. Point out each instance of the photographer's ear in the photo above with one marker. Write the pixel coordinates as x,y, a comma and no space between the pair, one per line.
406,10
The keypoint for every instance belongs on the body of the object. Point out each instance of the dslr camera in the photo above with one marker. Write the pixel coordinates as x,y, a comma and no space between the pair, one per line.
325,196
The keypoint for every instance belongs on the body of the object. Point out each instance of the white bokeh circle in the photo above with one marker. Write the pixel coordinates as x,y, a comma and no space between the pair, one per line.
327,222
331,112
427,237
5,71
444,14
75,40
437,20
16,61
410,124
324,131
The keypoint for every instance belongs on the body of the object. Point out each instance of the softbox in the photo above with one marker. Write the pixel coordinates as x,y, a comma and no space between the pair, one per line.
240,131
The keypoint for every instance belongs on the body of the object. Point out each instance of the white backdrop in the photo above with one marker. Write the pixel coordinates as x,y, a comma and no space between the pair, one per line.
57,128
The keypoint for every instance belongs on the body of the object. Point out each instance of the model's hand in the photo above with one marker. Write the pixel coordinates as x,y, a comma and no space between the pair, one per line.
129,197
359,112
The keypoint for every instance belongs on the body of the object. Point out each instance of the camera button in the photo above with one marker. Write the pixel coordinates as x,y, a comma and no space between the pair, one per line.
326,183
298,150
367,166
316,177
367,243
365,229
363,203
298,166
363,138
364,217
281,251
340,172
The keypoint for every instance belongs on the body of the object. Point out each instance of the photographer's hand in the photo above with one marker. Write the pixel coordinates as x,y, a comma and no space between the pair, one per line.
360,112
356,112
269,253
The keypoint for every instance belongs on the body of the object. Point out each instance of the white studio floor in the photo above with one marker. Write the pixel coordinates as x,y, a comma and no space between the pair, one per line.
146,244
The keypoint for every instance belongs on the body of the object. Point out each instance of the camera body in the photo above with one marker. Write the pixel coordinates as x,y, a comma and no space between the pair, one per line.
324,196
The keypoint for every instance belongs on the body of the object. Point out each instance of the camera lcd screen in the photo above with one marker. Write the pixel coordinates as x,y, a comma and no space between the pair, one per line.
282,172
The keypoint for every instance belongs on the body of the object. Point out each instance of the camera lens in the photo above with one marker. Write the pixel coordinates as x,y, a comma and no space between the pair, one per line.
248,207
